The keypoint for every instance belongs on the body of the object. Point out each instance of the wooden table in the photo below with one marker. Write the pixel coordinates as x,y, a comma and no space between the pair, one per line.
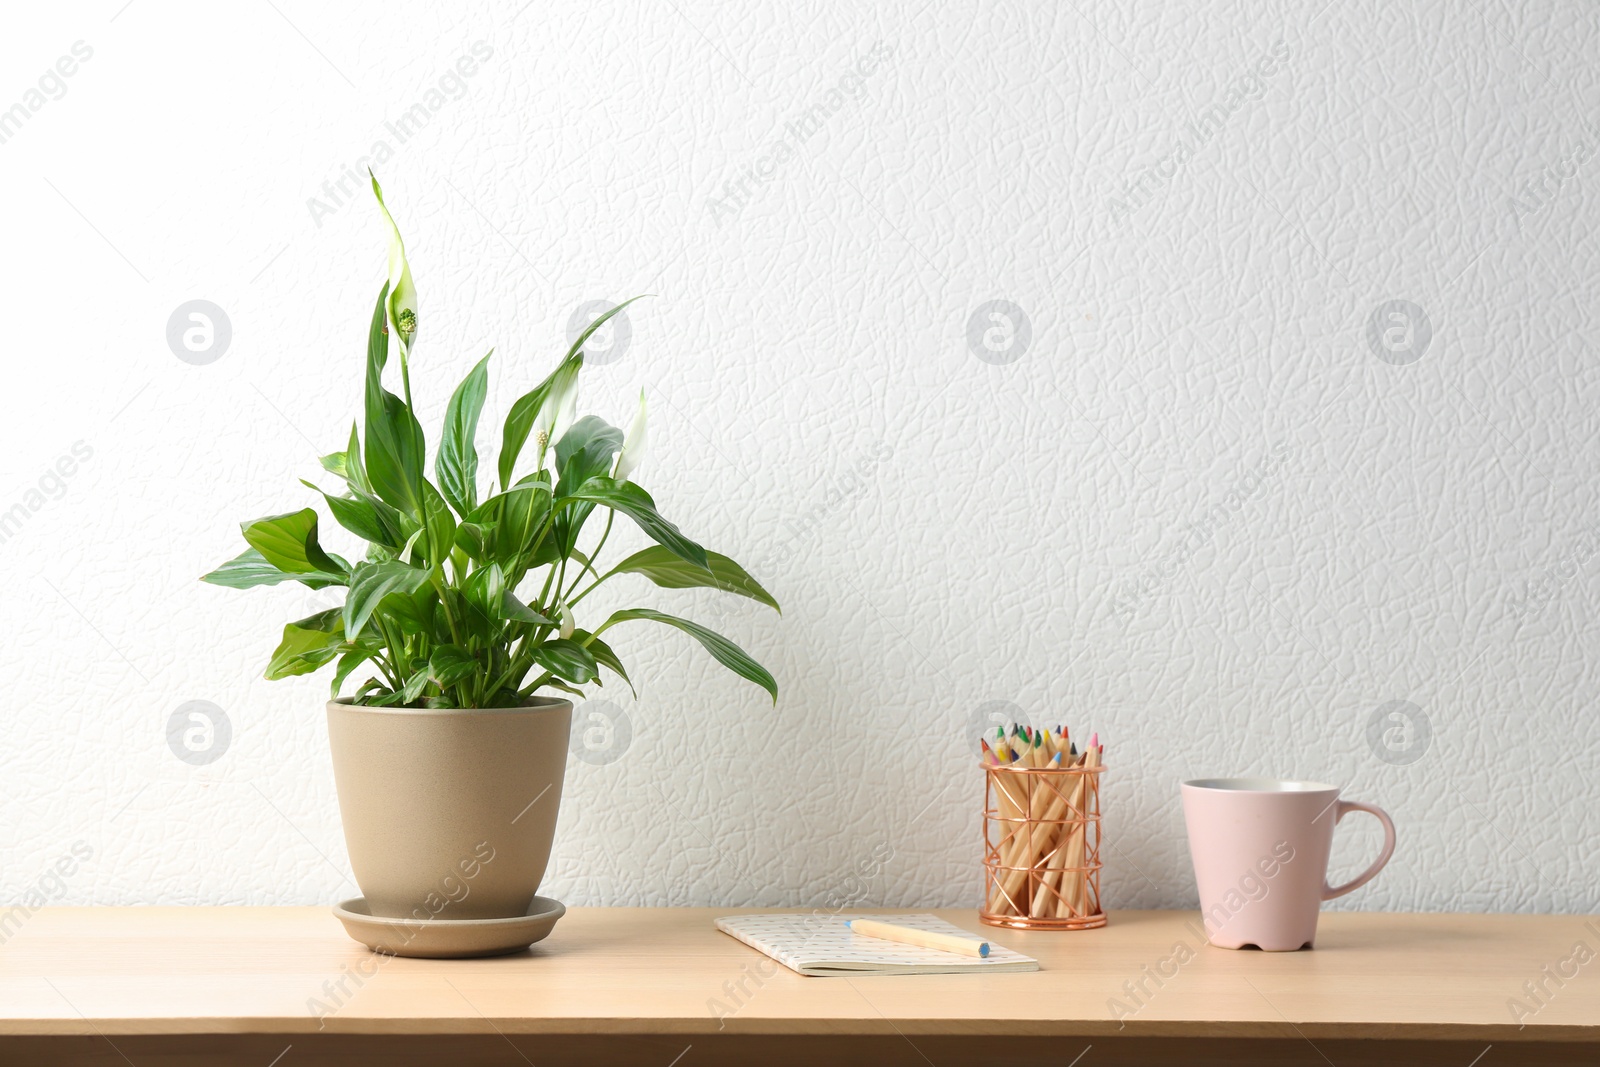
662,987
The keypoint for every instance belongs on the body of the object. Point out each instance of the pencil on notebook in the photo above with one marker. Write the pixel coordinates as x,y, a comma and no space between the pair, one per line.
907,935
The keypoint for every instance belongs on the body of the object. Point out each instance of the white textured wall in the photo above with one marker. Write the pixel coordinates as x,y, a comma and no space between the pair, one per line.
1198,511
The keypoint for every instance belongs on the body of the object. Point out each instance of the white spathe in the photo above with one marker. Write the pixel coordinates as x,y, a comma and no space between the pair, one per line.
633,445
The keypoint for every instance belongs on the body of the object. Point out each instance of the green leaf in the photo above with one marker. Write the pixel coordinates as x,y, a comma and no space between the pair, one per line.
395,453
722,650
474,626
457,462
526,411
637,504
514,610
484,588
414,614
567,660
512,520
289,542
355,469
415,685
450,664
395,445
250,568
378,339
307,645
348,662
472,539
416,535
371,583
526,508
359,518
583,452
577,346
668,571
565,688
440,525
336,463
603,655
367,517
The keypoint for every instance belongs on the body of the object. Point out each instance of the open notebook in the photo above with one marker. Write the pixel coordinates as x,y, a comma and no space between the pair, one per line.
821,945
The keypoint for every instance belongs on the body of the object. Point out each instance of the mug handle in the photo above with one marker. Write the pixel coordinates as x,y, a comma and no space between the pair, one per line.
1343,809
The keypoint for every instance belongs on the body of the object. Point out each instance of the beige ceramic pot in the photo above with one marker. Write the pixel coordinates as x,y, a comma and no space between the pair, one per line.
449,814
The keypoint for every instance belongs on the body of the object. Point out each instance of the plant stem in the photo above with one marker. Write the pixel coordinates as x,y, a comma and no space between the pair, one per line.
574,601
500,682
544,594
405,376
444,602
383,669
549,524
396,655
589,566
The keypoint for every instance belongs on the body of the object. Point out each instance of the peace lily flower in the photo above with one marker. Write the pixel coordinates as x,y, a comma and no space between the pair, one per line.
402,312
565,617
556,413
565,402
633,445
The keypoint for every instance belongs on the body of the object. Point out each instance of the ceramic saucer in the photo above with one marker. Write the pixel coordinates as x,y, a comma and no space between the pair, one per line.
443,939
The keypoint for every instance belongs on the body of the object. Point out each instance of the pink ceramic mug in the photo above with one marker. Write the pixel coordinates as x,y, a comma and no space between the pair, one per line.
1260,849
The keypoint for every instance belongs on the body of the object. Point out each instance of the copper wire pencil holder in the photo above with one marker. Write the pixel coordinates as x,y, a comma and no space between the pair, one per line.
1041,848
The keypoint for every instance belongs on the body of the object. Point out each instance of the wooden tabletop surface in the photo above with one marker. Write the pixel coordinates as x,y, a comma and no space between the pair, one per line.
116,971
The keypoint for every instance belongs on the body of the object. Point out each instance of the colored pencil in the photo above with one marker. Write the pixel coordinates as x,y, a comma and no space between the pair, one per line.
1038,866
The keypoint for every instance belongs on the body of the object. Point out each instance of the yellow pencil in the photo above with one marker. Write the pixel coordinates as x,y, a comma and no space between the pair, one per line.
907,935
1013,807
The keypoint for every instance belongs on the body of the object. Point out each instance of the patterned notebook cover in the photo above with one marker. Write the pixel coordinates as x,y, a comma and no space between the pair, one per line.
821,945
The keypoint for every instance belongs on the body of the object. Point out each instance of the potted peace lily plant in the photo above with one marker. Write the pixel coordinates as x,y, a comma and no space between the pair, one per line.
462,612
